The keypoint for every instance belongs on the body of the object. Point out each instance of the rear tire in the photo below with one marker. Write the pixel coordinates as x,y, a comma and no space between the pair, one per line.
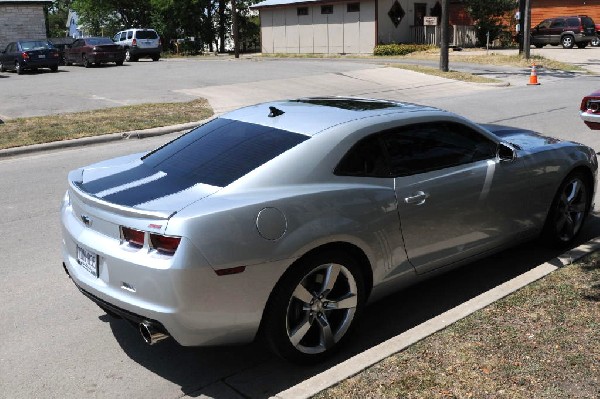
567,41
2,67
582,45
595,42
54,68
314,306
18,68
568,211
155,58
86,62
119,63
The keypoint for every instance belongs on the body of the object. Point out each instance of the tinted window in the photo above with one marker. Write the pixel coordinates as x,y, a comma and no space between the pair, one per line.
573,22
146,34
545,24
129,34
366,158
431,146
558,23
588,22
221,151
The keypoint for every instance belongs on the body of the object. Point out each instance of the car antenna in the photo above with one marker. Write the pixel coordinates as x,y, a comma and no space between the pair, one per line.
275,112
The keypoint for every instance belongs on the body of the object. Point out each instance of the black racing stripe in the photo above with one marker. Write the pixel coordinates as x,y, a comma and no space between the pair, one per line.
118,179
149,191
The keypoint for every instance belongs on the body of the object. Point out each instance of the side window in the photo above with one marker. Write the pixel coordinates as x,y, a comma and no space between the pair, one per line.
559,23
123,36
431,146
574,22
129,34
116,37
545,24
365,158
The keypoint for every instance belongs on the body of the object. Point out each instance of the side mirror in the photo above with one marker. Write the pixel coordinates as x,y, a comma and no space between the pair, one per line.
506,153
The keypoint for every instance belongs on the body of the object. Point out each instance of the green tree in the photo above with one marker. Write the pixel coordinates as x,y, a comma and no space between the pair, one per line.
488,16
57,14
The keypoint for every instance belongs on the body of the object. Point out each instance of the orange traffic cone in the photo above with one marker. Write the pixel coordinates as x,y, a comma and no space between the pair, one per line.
533,77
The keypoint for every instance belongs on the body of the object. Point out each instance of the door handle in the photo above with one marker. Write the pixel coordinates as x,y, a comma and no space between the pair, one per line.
417,199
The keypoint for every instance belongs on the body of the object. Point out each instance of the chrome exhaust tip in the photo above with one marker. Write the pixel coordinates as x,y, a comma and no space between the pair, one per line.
150,333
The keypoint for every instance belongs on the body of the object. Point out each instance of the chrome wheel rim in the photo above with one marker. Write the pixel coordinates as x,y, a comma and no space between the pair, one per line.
321,308
567,41
127,55
572,206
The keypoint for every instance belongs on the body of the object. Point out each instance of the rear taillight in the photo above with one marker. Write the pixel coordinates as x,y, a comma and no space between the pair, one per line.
25,55
132,236
134,42
159,42
164,244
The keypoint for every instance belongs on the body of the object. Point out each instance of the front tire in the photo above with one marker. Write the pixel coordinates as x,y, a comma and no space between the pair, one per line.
568,211
2,67
86,62
314,306
18,68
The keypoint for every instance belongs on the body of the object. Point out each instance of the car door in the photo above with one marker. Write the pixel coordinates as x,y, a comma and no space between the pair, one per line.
541,32
456,197
556,29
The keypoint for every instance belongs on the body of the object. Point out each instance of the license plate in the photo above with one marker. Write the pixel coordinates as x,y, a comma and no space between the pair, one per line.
42,56
88,260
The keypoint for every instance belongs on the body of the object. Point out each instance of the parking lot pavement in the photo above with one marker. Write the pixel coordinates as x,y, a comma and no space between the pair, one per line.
387,83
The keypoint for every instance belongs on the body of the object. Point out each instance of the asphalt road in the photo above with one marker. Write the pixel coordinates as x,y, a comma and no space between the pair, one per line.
56,343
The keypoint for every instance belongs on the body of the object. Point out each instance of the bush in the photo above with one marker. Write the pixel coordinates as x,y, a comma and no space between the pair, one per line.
400,49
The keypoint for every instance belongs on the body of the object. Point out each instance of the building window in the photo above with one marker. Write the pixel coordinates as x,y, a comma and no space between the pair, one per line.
327,9
302,10
353,7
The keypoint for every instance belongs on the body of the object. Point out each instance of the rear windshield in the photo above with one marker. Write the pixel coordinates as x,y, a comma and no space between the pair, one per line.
221,151
146,34
95,41
35,45
588,22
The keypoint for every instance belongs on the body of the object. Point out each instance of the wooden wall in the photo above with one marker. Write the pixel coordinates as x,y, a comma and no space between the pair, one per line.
542,9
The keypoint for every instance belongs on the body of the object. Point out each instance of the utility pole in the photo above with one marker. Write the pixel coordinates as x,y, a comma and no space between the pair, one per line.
444,39
236,44
527,30
521,25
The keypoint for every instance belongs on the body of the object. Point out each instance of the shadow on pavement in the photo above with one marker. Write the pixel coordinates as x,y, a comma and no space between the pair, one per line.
251,371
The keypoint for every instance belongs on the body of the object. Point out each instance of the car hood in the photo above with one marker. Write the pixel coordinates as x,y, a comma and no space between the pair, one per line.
521,138
127,182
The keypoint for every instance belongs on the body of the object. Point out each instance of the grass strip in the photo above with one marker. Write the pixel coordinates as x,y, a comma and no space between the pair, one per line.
455,75
540,342
44,129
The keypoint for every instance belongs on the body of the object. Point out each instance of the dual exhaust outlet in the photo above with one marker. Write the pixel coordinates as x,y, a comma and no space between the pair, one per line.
151,334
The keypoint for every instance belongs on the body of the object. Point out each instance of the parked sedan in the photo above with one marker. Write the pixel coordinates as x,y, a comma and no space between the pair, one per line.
590,110
29,54
94,50
284,219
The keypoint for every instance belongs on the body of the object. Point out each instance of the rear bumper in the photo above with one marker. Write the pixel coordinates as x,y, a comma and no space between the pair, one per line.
592,120
184,295
145,52
107,57
47,63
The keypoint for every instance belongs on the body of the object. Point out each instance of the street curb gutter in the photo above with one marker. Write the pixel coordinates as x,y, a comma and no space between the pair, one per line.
105,138
358,363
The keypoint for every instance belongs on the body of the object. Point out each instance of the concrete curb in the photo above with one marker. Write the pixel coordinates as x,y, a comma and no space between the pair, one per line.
358,363
135,134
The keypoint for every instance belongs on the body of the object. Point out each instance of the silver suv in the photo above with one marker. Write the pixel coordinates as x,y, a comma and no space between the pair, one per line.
139,43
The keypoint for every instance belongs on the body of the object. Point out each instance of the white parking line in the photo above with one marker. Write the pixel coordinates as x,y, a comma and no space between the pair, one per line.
358,363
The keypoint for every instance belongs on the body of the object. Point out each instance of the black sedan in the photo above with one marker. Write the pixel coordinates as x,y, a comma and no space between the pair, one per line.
29,54
94,50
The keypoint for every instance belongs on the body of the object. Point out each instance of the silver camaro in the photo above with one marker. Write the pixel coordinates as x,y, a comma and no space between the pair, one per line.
283,219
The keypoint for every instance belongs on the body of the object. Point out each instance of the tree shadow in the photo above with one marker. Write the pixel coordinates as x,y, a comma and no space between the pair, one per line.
251,371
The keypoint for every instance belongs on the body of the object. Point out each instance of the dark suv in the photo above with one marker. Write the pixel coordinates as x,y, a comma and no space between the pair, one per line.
577,30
